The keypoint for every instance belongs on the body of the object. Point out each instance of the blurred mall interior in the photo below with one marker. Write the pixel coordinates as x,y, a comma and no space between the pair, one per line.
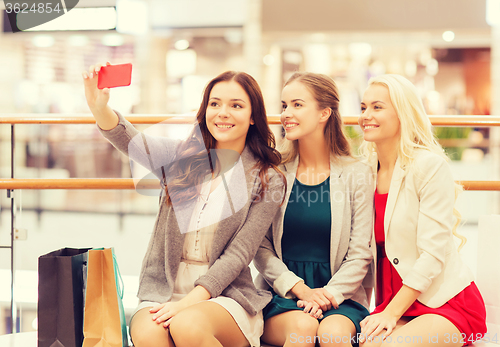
450,49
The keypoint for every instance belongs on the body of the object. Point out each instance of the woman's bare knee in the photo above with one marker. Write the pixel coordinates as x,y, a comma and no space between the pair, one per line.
182,327
189,328
147,333
337,330
303,325
213,323
290,327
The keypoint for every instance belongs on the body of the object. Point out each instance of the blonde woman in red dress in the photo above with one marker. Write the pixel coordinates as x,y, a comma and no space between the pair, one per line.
424,294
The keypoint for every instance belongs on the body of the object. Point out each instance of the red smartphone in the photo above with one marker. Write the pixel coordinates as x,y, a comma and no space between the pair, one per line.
111,76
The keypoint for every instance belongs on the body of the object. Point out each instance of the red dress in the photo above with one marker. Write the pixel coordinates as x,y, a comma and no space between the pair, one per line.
465,310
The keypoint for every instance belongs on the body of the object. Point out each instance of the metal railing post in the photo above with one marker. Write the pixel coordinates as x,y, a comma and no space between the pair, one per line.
13,308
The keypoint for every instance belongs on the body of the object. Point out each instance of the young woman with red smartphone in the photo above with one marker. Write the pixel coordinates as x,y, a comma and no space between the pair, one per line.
210,225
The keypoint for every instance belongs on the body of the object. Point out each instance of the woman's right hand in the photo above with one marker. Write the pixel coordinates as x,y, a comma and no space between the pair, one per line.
97,99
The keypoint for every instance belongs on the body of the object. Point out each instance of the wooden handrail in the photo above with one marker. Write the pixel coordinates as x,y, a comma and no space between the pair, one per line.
77,183
128,183
35,118
72,119
481,185
125,183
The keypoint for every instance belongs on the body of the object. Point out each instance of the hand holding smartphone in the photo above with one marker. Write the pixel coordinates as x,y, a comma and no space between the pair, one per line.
111,76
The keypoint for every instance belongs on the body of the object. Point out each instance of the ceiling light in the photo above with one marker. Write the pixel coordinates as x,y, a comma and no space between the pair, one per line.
448,36
78,40
43,41
493,12
112,40
181,45
100,18
268,60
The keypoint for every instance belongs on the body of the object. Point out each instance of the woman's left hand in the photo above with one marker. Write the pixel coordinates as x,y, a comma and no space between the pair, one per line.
163,313
373,325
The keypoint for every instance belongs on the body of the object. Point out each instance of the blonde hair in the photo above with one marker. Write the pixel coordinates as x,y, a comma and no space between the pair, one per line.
325,92
416,130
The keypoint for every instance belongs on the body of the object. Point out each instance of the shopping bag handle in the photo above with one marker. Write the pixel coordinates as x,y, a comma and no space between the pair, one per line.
118,275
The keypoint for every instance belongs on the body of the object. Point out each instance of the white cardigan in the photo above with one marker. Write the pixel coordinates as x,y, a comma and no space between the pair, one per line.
418,225
351,202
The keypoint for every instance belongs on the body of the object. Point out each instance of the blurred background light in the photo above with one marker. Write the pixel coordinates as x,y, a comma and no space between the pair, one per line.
132,17
493,12
411,68
377,68
43,41
318,58
78,40
432,67
112,40
234,36
360,50
425,55
181,45
100,18
268,60
292,57
448,36
433,98
181,63
318,37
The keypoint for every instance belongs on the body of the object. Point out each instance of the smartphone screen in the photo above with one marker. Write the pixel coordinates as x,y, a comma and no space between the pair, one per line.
111,76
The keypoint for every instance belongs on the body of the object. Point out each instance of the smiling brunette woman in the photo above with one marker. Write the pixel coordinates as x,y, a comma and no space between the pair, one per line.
316,253
213,216
423,289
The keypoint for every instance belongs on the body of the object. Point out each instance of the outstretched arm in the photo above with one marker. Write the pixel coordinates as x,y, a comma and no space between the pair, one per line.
151,152
97,99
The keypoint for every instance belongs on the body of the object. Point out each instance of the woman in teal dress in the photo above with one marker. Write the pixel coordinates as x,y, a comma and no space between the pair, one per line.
316,255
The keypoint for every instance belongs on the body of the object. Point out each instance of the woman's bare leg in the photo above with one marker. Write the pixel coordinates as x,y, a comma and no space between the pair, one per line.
206,324
147,333
292,328
336,330
428,330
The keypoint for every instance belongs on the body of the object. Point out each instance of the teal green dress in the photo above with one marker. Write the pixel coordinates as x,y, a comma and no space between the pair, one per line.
306,248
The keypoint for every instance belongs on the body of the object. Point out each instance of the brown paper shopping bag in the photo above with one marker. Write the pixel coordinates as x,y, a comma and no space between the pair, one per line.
104,321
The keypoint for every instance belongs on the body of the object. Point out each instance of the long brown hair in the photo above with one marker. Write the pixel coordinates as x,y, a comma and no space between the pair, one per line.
325,92
191,164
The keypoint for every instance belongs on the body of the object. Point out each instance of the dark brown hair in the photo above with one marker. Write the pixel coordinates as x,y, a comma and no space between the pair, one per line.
325,92
191,166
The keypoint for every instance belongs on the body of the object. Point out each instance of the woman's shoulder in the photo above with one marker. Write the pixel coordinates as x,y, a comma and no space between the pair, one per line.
429,166
428,160
276,176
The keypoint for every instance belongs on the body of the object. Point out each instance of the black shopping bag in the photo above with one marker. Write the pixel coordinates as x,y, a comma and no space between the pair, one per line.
61,286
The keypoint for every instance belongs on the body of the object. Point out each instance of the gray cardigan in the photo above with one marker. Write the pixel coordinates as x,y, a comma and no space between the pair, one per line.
236,239
351,201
